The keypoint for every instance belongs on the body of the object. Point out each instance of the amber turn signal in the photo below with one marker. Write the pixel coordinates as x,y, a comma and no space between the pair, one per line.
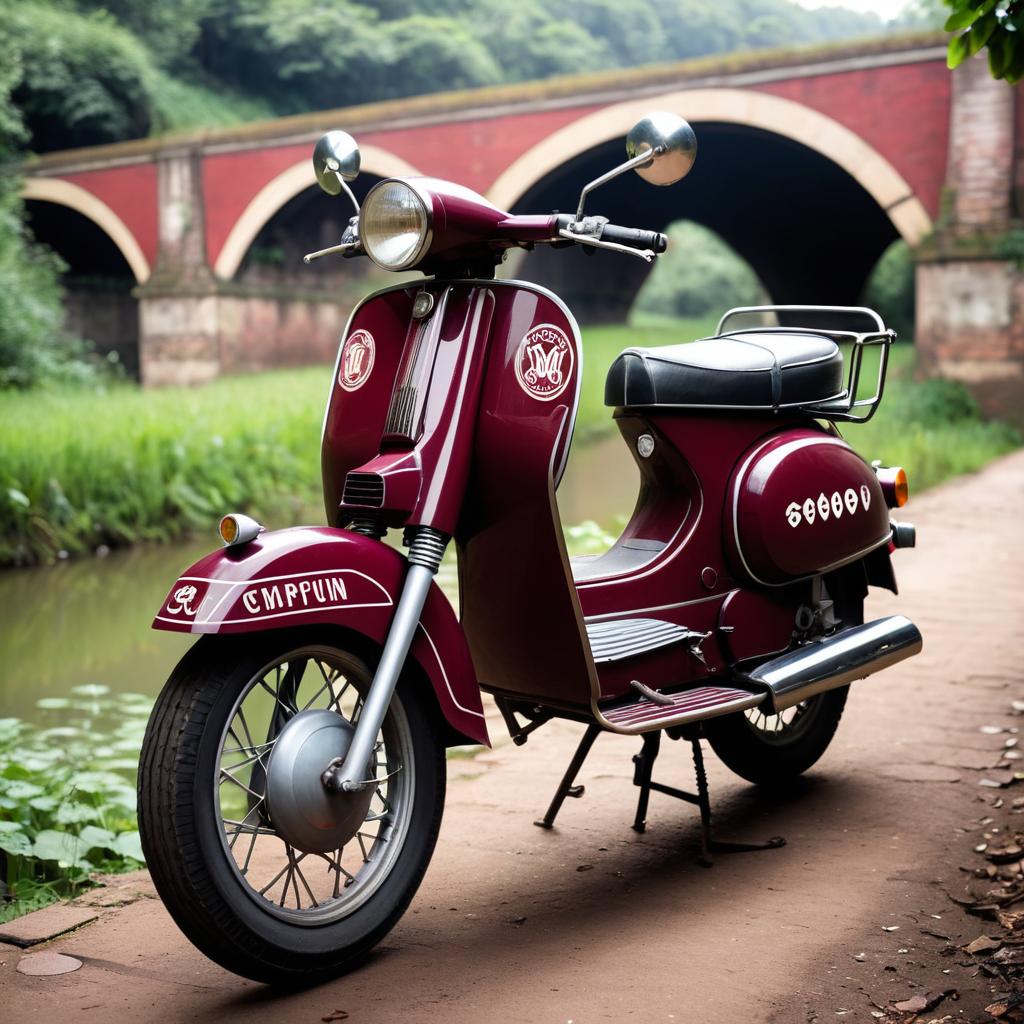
895,487
238,529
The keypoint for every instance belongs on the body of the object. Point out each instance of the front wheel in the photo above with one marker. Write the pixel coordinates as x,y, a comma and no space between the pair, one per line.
263,869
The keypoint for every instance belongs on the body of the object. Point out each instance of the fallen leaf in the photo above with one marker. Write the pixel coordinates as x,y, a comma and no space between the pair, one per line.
983,944
860,957
1005,855
991,730
336,1015
997,1009
584,867
890,927
1009,956
916,1004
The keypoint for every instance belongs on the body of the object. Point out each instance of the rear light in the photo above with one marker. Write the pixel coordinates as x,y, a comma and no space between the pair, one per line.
895,488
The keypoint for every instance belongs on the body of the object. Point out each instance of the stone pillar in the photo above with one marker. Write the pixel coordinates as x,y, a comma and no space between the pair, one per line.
178,307
970,284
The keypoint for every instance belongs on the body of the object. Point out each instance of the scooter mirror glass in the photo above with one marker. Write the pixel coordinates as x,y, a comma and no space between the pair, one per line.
673,143
335,160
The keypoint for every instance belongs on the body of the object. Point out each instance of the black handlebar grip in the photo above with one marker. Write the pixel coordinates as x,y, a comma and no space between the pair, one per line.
635,238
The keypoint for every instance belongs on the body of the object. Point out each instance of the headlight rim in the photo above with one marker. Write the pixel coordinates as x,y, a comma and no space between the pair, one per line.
426,240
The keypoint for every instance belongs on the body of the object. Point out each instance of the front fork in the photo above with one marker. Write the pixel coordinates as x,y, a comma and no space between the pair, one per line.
426,550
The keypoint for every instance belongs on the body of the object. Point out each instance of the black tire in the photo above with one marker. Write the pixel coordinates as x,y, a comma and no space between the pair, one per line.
747,742
183,834
754,755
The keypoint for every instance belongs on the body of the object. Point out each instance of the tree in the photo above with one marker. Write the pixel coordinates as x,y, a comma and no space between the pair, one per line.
995,24
80,80
33,346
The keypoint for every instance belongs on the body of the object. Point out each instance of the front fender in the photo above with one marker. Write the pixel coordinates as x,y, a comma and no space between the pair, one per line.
320,575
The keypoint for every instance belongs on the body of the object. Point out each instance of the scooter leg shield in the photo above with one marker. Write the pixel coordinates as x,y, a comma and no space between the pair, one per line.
324,576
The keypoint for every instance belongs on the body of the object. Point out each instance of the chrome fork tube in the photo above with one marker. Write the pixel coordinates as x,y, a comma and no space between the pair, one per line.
426,550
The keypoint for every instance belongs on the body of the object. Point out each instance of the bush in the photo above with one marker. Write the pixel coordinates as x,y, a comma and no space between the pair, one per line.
890,289
82,80
698,276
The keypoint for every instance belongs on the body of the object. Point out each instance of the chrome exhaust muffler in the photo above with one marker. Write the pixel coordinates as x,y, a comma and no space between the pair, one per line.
835,661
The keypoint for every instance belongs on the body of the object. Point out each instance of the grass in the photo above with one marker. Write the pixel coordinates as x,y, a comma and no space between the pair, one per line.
80,469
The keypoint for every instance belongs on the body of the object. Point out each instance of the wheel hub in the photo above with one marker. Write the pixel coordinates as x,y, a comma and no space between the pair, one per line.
302,811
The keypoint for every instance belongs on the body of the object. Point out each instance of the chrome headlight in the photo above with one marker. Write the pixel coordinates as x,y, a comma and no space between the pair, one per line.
394,225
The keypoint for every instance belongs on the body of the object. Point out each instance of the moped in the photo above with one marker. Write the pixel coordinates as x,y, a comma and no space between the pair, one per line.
292,777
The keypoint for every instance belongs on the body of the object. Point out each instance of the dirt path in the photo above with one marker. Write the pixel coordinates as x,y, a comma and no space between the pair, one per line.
592,922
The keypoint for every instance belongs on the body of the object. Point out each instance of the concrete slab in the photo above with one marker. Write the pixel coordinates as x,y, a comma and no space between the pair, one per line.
43,925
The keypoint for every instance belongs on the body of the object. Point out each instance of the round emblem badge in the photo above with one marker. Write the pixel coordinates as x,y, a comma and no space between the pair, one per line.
356,360
544,362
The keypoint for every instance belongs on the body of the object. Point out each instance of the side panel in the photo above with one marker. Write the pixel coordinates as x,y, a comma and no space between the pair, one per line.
364,377
802,504
519,607
318,575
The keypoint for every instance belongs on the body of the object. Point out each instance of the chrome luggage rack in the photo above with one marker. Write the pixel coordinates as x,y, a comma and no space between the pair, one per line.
846,407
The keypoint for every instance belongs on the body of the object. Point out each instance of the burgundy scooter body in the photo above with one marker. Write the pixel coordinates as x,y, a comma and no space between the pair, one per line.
452,406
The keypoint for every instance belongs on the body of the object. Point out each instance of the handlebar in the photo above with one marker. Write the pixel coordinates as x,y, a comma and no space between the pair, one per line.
635,238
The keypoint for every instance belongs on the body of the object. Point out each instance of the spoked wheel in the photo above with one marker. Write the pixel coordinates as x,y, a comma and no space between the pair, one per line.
264,869
773,749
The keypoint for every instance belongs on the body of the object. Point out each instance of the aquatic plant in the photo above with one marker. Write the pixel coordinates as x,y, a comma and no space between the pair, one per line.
67,795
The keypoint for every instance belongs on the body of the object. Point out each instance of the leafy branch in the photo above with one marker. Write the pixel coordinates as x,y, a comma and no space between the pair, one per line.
995,24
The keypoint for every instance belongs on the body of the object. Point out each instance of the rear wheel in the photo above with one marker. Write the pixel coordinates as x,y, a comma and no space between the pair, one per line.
771,750
265,871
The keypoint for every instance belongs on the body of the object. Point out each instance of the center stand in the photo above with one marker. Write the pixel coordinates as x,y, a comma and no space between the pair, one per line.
643,768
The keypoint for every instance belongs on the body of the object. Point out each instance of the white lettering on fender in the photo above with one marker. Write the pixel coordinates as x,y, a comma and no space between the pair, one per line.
324,592
827,505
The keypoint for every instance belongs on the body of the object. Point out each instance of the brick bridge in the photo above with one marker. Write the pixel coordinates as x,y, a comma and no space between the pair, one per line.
184,251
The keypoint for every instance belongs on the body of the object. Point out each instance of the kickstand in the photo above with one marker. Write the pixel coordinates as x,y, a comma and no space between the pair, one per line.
566,787
644,766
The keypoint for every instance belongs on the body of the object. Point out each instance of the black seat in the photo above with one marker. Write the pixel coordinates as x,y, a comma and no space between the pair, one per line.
749,369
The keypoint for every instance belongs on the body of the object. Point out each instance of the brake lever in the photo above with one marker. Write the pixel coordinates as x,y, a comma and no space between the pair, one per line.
342,247
647,255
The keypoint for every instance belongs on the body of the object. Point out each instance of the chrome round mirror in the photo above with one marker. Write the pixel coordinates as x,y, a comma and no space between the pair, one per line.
335,159
673,145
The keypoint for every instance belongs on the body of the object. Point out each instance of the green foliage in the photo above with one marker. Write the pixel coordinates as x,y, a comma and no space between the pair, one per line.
933,428
890,289
79,469
105,70
995,24
82,79
698,276
33,347
83,468
67,794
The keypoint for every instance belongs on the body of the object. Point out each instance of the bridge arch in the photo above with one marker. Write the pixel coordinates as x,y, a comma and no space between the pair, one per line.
285,187
743,107
66,193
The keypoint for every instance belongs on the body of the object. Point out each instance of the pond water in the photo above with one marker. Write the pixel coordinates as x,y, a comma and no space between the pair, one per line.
88,621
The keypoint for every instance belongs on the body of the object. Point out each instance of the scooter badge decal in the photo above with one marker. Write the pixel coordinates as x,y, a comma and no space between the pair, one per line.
544,362
356,360
181,602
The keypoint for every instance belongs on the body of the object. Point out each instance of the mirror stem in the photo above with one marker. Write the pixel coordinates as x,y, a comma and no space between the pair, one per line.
637,161
348,192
